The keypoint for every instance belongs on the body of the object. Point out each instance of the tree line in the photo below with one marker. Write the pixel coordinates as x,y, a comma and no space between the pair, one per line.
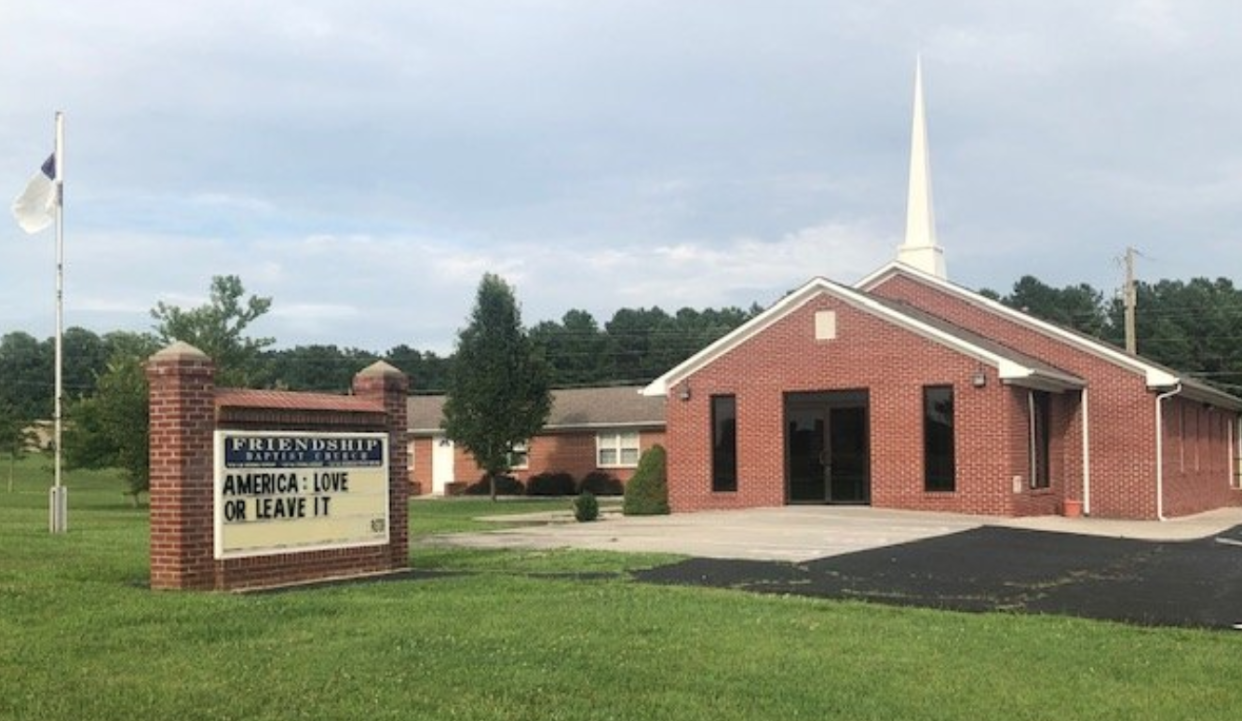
106,391
635,346
1194,326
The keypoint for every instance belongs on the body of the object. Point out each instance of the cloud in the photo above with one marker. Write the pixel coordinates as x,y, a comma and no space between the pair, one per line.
364,165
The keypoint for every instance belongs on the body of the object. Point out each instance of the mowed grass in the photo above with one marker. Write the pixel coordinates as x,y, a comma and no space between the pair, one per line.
81,637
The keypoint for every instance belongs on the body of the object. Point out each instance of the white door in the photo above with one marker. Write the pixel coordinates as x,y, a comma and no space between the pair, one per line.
441,464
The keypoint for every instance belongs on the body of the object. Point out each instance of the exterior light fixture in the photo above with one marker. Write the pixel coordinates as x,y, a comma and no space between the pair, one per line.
684,393
979,379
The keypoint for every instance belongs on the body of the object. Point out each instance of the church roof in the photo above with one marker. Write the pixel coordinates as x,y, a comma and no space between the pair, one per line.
1012,366
1157,376
572,409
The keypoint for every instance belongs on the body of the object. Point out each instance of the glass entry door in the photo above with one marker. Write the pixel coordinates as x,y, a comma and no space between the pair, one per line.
827,448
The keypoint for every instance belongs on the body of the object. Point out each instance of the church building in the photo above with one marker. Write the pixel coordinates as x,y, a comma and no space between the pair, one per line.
908,391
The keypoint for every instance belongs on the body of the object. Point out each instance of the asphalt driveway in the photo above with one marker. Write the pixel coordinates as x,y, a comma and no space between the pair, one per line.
1175,583
1185,572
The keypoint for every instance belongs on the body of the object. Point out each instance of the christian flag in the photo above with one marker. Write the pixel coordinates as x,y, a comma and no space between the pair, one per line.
35,209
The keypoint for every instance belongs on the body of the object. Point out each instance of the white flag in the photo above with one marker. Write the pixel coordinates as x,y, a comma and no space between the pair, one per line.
35,209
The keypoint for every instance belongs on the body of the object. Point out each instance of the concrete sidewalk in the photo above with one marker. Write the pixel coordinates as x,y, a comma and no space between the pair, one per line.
800,533
1185,528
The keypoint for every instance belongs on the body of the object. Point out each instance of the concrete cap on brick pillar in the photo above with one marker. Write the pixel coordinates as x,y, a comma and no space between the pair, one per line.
379,368
179,351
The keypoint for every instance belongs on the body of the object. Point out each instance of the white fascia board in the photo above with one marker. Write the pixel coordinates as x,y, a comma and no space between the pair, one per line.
934,334
1009,369
657,388
1156,377
660,386
1017,374
1159,378
869,280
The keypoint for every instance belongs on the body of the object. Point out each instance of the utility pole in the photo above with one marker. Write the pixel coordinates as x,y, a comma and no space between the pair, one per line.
1131,300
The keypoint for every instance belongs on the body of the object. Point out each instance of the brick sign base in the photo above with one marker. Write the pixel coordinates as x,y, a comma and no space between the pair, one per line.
186,410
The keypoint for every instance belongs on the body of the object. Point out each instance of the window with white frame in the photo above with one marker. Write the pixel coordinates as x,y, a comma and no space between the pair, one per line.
519,457
616,449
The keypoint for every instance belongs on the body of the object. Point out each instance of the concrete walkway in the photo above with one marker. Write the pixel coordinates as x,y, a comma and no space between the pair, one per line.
1186,528
801,533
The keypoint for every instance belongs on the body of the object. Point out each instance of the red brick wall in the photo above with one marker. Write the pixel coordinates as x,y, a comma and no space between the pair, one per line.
1197,458
571,452
182,405
420,468
893,365
1120,407
390,389
185,414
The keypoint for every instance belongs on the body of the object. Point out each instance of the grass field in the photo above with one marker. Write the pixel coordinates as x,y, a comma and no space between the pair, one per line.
81,637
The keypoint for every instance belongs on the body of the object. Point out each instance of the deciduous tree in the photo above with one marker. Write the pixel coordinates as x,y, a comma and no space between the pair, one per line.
15,436
218,329
111,428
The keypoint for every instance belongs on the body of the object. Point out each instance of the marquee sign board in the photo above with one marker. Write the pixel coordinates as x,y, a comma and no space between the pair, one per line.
287,491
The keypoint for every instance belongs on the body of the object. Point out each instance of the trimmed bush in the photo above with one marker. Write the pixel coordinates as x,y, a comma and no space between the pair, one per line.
551,484
586,508
647,492
505,486
601,483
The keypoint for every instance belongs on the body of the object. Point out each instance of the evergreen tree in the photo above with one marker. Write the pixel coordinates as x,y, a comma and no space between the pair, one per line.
646,494
498,396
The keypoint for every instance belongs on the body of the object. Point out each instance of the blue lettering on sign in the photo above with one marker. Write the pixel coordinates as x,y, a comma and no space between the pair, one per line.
244,451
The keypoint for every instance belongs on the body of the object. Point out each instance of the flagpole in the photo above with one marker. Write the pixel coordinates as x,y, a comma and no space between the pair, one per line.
59,508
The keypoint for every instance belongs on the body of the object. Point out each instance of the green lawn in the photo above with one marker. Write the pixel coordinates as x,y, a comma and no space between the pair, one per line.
82,638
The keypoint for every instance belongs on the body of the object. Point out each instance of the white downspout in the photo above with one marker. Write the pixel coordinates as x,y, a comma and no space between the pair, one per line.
1086,455
1232,464
1160,449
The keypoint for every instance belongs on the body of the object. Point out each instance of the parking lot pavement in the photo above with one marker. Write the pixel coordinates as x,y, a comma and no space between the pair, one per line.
1167,583
1183,572
794,533
803,533
1183,528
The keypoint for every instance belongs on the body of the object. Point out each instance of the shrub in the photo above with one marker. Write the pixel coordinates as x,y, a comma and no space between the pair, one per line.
647,492
505,486
586,508
551,484
601,483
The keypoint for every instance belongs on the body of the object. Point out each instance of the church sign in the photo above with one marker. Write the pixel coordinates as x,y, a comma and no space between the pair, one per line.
279,492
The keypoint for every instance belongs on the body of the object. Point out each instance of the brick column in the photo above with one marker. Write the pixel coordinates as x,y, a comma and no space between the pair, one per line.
182,404
382,382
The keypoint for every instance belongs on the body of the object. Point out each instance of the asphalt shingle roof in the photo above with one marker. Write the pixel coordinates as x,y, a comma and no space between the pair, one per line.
613,406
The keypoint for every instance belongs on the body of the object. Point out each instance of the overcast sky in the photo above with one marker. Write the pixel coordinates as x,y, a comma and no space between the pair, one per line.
365,162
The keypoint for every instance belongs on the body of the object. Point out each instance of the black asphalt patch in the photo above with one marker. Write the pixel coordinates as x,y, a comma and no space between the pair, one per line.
1184,583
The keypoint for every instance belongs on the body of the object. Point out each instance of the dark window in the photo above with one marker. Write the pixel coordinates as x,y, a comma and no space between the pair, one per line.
724,443
939,468
1041,415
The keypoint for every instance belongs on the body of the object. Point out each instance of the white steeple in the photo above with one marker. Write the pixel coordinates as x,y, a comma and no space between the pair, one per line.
920,250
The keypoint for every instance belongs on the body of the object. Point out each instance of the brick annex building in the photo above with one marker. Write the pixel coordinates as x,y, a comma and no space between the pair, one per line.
909,391
589,430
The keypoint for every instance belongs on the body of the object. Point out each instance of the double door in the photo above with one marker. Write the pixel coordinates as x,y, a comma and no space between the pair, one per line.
827,447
